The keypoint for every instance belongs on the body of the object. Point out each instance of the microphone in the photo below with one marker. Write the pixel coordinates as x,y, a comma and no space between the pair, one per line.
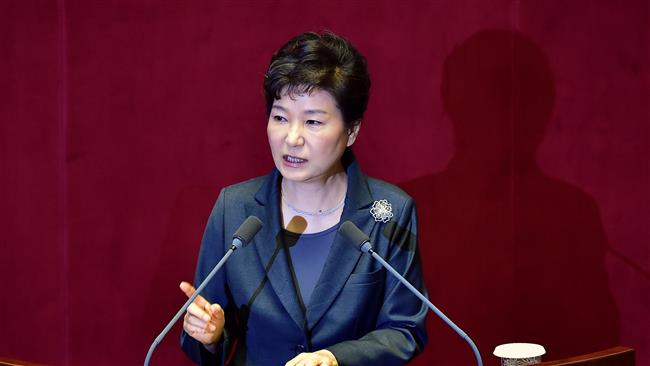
242,237
246,231
362,243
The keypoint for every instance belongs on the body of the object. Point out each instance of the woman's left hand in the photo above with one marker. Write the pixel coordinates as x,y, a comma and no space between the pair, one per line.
318,358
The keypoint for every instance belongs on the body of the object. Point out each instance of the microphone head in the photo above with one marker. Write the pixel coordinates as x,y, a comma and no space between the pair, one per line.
356,236
251,226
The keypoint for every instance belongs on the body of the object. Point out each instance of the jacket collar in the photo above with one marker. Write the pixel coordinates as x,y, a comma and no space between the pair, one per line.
341,259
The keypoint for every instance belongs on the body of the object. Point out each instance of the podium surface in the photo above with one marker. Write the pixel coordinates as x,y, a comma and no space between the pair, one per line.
615,356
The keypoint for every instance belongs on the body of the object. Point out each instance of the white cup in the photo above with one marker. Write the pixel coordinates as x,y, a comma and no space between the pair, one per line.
519,354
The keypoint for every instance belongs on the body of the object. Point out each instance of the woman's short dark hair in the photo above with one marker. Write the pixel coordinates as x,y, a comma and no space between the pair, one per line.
323,61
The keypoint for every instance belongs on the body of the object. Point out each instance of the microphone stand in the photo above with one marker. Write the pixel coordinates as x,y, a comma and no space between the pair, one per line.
236,244
367,248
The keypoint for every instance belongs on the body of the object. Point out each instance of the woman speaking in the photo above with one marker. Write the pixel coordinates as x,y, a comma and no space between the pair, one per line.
301,294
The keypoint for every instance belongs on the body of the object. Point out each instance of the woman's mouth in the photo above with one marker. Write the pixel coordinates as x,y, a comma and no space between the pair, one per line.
293,161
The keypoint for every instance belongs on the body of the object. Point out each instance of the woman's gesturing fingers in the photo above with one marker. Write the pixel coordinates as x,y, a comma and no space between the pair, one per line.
188,290
318,358
203,321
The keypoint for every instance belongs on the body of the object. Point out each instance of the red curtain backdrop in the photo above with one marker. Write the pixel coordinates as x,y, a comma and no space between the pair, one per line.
520,127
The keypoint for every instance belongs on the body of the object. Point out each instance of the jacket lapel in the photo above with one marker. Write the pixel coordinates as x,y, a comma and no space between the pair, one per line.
343,257
270,251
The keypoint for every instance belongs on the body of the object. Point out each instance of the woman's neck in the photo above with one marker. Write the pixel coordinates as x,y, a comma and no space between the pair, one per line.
314,196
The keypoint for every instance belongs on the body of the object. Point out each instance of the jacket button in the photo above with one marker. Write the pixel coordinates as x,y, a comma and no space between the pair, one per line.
299,348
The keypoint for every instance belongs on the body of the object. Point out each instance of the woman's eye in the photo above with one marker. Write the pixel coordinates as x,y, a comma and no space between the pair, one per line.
312,122
279,118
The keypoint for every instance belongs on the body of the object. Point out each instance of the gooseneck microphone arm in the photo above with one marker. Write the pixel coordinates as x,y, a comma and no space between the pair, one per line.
242,237
362,242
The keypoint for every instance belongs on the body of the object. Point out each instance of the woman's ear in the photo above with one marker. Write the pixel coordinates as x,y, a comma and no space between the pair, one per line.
353,133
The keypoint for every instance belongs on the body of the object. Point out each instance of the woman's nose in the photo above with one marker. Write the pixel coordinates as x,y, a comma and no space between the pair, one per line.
294,135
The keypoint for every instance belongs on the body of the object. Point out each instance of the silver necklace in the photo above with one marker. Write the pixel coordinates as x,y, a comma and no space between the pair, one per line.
315,213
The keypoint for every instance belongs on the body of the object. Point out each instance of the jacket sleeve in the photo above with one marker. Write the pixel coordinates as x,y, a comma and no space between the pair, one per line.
212,250
400,332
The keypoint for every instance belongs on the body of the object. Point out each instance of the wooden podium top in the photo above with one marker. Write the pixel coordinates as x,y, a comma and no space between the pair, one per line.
12,362
615,356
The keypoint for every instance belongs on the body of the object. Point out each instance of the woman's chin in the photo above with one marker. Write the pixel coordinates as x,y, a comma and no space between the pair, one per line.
293,177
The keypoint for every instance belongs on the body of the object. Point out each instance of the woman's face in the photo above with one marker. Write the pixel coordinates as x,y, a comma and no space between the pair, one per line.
307,136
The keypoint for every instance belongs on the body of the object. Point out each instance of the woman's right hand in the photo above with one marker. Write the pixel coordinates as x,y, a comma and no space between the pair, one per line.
203,321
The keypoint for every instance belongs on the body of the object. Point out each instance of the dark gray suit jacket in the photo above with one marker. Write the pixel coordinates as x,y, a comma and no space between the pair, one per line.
358,311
